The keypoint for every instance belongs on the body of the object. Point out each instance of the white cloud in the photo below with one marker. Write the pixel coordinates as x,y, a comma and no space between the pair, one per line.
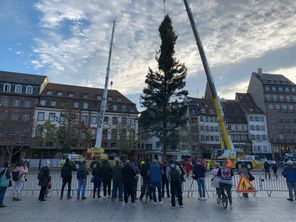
75,43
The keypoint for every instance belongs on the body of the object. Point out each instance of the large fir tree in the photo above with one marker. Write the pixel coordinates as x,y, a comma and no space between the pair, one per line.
163,97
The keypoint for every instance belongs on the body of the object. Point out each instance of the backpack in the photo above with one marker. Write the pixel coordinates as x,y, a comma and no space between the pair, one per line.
16,175
40,175
175,177
4,181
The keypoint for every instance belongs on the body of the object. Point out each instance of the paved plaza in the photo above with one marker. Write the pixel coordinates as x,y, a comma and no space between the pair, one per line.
274,208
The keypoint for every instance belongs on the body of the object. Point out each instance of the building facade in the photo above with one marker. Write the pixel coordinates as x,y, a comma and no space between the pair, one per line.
34,113
120,122
276,96
237,126
257,125
19,95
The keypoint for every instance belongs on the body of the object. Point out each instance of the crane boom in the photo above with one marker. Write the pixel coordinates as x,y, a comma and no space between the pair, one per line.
216,100
104,99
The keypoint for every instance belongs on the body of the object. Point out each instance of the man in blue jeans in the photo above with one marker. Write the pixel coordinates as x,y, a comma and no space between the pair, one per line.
199,172
290,174
155,178
82,178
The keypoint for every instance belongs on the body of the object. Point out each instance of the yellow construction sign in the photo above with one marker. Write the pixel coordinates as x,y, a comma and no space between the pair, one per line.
245,186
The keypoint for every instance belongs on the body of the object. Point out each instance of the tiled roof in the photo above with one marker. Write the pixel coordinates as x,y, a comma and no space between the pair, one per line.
22,78
233,113
247,103
80,91
273,79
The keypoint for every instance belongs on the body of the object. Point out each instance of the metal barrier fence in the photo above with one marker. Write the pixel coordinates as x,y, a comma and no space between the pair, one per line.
261,183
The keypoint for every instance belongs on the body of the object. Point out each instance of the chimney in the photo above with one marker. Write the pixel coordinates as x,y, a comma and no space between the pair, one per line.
259,70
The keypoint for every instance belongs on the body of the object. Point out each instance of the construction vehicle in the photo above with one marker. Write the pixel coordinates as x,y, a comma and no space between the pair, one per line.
229,152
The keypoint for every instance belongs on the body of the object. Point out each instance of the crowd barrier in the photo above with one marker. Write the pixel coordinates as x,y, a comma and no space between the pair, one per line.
262,183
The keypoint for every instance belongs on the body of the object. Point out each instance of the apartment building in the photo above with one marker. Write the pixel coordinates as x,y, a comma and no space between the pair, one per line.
276,96
257,125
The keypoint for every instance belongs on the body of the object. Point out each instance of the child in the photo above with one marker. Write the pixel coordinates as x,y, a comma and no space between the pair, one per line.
48,188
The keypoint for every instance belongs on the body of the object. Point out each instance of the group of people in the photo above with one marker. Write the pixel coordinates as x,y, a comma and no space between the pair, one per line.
158,179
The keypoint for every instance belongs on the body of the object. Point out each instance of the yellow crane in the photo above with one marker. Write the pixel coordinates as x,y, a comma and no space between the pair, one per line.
230,151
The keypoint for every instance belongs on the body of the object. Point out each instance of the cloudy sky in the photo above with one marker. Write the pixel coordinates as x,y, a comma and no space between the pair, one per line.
68,40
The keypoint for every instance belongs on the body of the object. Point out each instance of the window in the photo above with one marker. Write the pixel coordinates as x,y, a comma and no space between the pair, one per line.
99,97
201,118
273,89
29,90
49,92
109,98
251,118
52,117
114,107
14,116
256,119
280,89
281,98
84,119
71,94
193,111
85,105
201,128
123,107
39,130
5,101
6,87
274,98
252,127
287,89
18,89
16,102
206,119
114,134
124,121
75,105
53,103
60,93
85,96
133,122
42,102
26,117
114,120
94,119
266,88
106,119
27,103
262,118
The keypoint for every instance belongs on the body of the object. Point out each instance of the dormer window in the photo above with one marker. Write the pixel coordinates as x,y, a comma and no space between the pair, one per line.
6,87
49,92
84,96
29,90
59,93
18,89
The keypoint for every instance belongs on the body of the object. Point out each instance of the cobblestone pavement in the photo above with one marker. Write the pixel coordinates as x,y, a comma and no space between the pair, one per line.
275,208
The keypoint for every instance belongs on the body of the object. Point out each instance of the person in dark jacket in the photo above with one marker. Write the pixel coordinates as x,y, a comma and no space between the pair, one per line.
289,173
144,170
106,173
155,178
164,181
43,177
266,169
97,179
275,169
199,172
82,179
117,181
174,173
66,174
4,172
128,176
